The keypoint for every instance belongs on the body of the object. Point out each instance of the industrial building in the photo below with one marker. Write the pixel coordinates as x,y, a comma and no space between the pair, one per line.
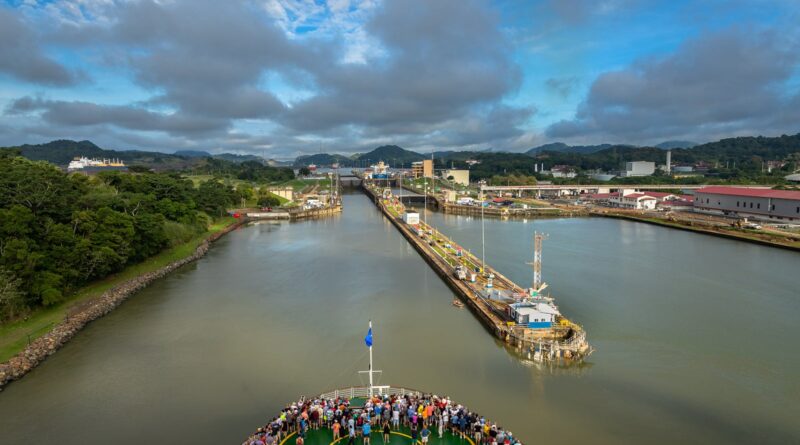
422,169
459,176
637,201
283,192
763,204
638,168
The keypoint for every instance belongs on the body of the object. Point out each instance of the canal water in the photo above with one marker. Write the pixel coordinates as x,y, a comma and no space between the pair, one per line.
696,337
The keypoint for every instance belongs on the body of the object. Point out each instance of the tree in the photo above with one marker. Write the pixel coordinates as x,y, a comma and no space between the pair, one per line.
214,198
304,171
139,169
11,297
268,201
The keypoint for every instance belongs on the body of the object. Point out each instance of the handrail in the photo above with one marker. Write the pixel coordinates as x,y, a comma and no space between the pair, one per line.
363,391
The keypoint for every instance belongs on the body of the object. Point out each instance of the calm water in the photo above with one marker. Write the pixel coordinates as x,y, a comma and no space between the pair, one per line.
695,337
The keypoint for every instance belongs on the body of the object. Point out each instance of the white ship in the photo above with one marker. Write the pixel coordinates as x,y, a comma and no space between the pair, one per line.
84,163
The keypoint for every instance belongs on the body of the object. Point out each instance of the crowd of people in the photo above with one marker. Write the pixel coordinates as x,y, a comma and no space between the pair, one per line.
419,416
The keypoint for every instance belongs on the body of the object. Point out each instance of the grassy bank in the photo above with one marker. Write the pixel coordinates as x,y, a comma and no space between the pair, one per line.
15,336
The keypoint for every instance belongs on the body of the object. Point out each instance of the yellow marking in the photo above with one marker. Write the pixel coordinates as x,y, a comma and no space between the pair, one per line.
287,438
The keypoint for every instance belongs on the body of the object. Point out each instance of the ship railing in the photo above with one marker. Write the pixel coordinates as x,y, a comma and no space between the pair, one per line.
363,391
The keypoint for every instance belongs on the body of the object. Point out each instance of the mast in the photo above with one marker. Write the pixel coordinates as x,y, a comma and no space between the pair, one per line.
538,284
483,231
370,361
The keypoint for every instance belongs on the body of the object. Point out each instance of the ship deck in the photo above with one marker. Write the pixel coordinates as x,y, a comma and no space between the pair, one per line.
324,436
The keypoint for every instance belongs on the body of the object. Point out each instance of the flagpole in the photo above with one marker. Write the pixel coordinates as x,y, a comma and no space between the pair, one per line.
370,361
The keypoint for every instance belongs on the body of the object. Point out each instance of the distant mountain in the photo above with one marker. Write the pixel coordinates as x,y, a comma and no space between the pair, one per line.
391,154
193,153
323,159
668,145
238,158
560,147
447,156
60,152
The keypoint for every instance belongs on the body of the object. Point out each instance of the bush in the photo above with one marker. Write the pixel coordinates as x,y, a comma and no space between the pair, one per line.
268,201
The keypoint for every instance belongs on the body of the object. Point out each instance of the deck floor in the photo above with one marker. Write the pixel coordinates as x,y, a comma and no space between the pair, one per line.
324,436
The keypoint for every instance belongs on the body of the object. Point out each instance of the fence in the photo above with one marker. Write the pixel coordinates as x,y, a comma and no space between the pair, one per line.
363,391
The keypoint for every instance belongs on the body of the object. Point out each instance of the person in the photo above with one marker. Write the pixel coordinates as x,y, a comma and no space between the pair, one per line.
299,440
413,433
424,434
386,432
336,428
351,436
366,430
396,417
441,427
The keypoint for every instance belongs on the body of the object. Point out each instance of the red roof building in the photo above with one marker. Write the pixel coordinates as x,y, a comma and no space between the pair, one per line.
749,202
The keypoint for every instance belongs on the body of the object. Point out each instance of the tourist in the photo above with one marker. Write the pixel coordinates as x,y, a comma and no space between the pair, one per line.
351,437
336,428
419,412
396,417
424,434
386,432
366,429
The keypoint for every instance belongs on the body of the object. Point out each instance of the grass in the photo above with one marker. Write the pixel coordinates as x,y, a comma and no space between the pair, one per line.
15,336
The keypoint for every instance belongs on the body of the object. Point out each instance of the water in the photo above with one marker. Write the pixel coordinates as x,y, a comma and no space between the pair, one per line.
694,335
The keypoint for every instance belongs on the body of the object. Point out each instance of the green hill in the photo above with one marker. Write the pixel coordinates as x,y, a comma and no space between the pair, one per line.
323,160
391,154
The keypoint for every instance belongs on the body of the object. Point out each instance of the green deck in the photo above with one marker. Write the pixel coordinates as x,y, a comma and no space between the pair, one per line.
324,436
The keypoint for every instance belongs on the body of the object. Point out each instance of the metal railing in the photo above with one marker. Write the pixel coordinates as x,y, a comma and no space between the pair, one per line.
363,391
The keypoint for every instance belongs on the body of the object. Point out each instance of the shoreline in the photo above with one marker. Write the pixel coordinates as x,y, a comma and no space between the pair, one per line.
37,351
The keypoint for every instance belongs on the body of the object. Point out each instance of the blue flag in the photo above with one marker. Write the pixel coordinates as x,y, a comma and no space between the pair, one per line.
368,338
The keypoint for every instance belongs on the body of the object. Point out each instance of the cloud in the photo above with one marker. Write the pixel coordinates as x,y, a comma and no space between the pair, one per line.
563,86
22,58
415,72
82,114
579,11
735,80
446,60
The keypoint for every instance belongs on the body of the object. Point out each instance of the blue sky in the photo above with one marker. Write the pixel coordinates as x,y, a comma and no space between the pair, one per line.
284,77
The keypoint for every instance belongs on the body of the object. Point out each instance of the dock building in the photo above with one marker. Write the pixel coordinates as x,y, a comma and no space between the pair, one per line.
762,204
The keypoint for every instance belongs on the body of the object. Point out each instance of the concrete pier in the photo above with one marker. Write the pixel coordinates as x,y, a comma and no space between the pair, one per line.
564,341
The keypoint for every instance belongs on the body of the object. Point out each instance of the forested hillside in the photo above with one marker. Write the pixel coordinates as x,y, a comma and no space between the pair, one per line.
59,231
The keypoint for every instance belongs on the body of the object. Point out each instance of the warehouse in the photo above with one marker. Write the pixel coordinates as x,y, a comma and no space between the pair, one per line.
763,204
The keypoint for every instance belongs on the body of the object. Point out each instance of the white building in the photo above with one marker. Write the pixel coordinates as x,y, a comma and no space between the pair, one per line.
459,176
563,171
411,218
637,201
539,315
639,168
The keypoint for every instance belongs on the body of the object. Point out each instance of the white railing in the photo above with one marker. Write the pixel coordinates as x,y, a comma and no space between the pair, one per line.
363,391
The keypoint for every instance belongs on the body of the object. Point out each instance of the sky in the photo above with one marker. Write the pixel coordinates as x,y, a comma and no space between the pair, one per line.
279,78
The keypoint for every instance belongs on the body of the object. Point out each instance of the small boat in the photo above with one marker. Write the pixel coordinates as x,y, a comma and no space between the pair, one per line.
457,303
